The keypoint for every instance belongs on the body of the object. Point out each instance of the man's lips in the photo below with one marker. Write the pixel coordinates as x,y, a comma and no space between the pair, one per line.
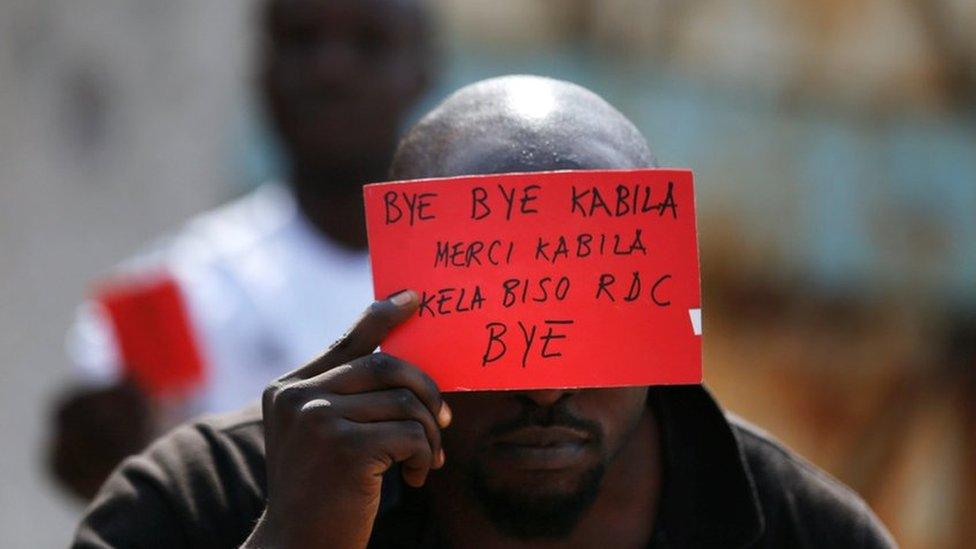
542,437
542,448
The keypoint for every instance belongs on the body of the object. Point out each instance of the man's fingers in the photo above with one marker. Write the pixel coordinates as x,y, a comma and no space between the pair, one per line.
402,442
380,371
371,328
365,335
390,405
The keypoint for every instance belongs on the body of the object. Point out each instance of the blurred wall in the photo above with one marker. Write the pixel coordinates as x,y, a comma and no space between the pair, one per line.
115,116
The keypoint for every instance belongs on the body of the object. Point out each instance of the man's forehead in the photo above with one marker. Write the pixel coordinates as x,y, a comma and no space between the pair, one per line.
484,155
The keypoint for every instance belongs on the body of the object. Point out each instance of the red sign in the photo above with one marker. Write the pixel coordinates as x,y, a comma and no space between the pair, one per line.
543,280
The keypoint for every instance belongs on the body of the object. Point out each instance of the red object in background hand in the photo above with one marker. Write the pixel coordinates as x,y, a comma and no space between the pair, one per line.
156,341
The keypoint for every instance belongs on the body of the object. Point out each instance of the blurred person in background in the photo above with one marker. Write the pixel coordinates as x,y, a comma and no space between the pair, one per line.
201,321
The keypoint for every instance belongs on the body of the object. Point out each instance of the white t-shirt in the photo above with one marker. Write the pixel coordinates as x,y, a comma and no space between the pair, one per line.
263,291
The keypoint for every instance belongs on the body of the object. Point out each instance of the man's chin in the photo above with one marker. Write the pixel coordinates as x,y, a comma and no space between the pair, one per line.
545,506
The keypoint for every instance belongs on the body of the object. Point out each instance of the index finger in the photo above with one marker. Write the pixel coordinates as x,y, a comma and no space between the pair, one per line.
365,335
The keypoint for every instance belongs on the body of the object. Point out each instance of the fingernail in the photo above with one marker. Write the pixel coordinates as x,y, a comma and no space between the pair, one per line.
441,458
402,298
444,415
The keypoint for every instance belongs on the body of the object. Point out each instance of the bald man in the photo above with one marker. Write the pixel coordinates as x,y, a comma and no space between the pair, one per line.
357,449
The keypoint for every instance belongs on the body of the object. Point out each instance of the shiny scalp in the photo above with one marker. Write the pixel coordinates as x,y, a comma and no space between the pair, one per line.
520,124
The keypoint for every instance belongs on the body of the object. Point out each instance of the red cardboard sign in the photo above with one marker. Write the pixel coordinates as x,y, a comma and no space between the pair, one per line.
543,280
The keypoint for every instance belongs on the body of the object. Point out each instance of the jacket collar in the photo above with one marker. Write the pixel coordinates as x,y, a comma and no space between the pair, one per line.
709,498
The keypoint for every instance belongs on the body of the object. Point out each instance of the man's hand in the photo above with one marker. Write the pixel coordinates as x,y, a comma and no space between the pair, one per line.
333,427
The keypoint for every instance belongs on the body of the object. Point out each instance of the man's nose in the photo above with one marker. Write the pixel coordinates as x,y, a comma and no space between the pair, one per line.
546,397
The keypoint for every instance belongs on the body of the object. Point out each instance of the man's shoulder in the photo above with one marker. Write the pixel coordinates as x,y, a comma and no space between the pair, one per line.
233,441
242,426
201,484
215,450
799,499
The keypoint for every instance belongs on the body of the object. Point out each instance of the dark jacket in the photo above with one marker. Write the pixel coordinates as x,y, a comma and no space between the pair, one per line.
726,484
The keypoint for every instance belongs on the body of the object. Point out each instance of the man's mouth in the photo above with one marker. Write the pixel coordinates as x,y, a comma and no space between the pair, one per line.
542,448
539,436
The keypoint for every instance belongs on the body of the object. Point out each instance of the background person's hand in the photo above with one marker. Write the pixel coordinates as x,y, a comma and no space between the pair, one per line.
90,440
336,425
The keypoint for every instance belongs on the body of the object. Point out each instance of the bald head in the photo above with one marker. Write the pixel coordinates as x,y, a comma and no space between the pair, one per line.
520,124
